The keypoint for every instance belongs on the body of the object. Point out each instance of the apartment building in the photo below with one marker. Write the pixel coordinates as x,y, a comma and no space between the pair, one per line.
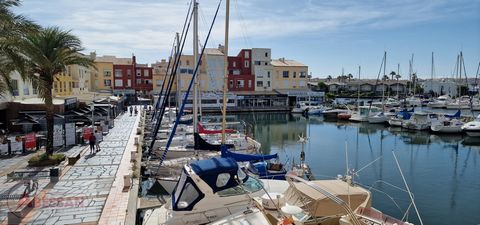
240,77
289,74
262,68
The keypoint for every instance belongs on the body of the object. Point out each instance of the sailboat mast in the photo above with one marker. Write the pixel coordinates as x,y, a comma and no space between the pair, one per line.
384,74
358,91
431,74
225,79
179,94
195,62
398,74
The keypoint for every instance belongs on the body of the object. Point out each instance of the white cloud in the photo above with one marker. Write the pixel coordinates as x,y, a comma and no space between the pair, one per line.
147,27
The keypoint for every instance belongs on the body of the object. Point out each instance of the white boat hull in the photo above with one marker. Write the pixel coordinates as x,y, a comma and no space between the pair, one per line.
416,126
377,119
395,122
446,129
357,118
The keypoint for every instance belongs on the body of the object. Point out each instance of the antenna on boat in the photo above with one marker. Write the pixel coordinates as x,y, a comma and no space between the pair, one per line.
408,188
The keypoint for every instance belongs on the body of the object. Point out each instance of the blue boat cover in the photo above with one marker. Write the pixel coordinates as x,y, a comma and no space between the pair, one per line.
405,114
246,157
456,115
209,169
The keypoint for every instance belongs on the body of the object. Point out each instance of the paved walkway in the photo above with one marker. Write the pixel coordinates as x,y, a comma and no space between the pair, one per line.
82,192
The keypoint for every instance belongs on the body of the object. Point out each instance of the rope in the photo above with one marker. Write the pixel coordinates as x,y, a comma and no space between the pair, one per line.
179,115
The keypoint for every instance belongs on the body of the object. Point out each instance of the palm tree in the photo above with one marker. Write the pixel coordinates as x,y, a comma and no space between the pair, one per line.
47,53
398,76
385,78
350,76
12,29
393,74
329,78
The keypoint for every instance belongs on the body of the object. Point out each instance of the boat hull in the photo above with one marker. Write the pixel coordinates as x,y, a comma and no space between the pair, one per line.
446,129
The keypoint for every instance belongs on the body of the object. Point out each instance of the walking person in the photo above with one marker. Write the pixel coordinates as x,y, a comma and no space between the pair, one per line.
92,141
131,110
98,139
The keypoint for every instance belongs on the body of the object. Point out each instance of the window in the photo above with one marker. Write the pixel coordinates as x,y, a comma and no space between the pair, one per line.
159,82
259,83
26,90
118,83
211,101
294,74
268,74
249,186
285,74
247,54
285,84
247,63
302,83
240,84
230,83
266,63
129,83
303,74
266,54
139,73
55,87
139,81
236,72
146,73
234,64
223,178
107,73
107,83
118,73
249,83
188,196
258,63
188,63
268,83
70,86
129,72
14,84
148,81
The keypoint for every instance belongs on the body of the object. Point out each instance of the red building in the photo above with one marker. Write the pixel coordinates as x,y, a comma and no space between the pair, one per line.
130,76
240,77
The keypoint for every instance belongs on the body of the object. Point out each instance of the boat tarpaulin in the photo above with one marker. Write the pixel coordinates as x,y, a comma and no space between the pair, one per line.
202,130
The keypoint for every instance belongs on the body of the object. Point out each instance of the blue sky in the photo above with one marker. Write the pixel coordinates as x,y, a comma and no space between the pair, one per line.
325,35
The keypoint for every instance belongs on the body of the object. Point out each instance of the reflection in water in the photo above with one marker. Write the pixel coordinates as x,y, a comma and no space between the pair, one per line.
441,170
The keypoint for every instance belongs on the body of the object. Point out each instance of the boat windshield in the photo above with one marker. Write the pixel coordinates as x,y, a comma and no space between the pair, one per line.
249,186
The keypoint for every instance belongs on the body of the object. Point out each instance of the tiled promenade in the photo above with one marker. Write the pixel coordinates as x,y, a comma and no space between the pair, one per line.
90,192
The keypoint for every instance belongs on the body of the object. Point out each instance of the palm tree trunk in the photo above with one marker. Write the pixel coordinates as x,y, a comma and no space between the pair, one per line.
50,120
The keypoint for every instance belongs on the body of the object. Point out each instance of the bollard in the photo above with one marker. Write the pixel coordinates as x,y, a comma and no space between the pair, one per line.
54,174
126,181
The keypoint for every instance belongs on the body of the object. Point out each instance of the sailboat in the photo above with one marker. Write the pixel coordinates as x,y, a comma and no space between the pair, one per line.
380,117
448,123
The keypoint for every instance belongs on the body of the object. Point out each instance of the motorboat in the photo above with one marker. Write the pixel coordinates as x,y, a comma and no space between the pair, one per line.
344,116
316,110
391,102
397,119
361,115
413,101
460,103
447,124
472,128
300,107
313,202
209,190
420,121
440,102
378,118
266,170
333,113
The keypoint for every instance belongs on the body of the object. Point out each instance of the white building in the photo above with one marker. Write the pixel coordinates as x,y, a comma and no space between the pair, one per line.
440,87
262,68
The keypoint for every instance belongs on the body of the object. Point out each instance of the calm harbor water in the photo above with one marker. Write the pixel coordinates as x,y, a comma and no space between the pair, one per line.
443,171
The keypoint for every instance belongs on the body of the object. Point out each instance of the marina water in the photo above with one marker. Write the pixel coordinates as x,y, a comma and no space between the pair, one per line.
443,171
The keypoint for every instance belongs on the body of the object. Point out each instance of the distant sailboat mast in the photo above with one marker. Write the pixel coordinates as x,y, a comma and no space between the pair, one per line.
195,63
225,82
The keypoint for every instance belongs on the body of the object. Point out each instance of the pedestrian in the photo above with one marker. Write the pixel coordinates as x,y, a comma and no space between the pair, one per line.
130,110
91,140
98,139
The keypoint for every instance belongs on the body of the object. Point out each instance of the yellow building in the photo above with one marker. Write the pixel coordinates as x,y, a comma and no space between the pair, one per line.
289,74
159,72
103,76
63,84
